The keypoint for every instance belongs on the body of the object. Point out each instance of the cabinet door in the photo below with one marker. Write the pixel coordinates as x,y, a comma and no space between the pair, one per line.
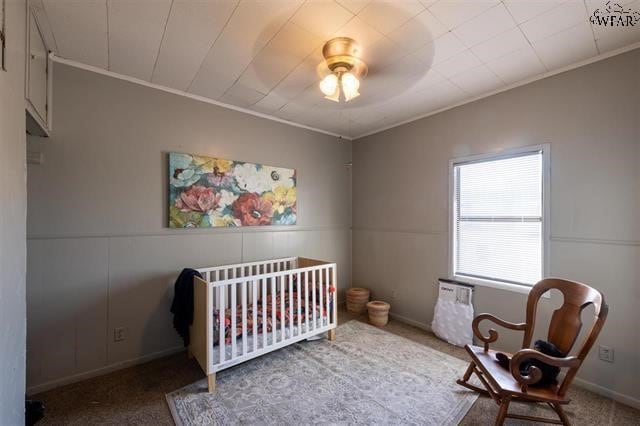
37,86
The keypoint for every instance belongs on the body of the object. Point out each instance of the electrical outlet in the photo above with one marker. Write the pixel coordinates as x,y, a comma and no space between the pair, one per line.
394,293
35,157
605,353
118,334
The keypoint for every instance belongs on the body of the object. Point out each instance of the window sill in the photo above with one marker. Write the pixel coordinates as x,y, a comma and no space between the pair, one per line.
522,289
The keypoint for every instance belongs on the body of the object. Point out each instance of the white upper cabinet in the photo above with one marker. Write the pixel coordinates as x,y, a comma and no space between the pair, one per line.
37,82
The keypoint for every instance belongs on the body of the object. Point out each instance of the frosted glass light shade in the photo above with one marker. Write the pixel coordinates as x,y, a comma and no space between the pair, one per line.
329,84
350,86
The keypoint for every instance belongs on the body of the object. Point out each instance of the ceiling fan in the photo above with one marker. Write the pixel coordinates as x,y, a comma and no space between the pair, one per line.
342,69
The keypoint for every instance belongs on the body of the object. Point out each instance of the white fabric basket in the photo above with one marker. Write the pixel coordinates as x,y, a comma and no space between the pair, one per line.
454,314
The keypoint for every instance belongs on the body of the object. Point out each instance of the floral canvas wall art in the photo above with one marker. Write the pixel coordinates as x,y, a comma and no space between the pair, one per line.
208,192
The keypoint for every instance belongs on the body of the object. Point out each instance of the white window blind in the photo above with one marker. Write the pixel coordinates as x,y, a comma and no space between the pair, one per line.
498,223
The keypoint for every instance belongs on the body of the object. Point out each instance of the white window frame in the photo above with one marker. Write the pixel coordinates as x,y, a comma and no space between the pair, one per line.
546,213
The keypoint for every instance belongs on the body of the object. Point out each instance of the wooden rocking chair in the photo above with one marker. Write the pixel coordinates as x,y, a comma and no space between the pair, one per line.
504,386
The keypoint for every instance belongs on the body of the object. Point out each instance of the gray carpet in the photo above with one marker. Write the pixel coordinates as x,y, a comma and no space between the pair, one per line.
367,376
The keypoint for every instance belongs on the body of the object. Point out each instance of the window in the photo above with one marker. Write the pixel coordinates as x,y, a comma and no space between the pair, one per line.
498,217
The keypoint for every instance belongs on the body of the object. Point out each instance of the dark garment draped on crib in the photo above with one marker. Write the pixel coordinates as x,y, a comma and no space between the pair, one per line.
182,306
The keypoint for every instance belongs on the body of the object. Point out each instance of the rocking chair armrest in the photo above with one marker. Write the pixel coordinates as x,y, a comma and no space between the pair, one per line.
534,374
493,334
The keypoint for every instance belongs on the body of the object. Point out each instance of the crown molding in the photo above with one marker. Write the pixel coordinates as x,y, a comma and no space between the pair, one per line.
199,98
592,60
97,70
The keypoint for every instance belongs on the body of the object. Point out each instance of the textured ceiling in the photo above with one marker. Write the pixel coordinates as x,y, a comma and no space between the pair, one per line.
262,55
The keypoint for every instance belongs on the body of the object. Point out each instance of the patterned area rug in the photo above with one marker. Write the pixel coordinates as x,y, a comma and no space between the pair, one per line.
367,376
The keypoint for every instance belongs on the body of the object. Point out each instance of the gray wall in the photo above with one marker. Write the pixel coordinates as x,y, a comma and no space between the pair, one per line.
100,253
591,117
13,212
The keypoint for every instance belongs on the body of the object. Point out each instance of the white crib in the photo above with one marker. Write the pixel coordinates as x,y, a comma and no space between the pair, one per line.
279,301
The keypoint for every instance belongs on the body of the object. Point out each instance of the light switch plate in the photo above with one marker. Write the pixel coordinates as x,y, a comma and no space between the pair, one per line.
118,334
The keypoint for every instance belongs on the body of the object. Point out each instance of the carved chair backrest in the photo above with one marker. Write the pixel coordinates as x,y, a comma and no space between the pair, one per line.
566,321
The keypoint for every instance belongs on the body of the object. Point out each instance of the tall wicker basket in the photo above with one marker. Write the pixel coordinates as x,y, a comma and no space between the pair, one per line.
378,313
357,299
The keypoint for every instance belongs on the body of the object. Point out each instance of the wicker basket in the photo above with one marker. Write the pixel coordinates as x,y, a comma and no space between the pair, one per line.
378,313
357,299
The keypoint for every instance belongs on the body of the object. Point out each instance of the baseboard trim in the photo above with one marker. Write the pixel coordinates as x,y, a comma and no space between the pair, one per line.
101,371
601,390
421,325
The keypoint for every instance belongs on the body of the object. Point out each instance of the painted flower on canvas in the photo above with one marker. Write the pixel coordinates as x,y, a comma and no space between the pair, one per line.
211,192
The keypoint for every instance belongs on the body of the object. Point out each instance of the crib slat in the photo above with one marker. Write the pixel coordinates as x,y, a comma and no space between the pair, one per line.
263,304
234,314
254,305
282,307
313,297
221,318
244,317
290,276
274,307
274,327
321,293
306,302
327,294
299,310
229,275
334,282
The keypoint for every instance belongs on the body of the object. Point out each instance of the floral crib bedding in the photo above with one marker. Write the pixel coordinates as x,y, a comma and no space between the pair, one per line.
320,310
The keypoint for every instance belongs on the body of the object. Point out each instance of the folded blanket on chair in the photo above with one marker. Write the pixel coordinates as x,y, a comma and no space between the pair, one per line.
549,372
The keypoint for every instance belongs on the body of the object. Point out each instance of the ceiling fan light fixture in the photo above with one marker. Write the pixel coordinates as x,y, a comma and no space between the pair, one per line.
342,58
